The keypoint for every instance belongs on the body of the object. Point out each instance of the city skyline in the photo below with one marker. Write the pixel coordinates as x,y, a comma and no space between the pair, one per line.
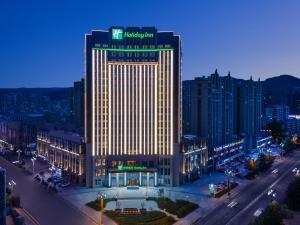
45,40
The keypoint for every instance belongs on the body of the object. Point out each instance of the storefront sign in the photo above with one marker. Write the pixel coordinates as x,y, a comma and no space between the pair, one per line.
131,168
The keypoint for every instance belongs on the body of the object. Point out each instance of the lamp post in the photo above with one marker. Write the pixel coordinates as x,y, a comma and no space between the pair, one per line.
11,184
101,197
33,160
228,172
19,152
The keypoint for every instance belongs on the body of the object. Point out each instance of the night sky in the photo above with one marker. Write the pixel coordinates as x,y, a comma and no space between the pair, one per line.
42,42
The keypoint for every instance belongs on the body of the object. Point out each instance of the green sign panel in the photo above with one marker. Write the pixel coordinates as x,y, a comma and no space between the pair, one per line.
131,168
118,34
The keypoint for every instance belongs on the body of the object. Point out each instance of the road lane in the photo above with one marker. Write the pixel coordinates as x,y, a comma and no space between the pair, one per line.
46,207
223,214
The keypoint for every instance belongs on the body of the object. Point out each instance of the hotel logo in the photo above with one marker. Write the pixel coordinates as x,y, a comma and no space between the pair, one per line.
117,34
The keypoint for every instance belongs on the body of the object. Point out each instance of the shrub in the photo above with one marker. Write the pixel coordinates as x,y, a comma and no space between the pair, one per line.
271,216
179,208
95,204
150,218
293,195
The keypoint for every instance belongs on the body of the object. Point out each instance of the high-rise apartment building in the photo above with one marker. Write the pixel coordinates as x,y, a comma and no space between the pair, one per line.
78,103
208,102
133,107
248,111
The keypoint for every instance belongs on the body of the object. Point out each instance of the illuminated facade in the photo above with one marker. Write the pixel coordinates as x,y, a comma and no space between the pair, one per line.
133,107
65,150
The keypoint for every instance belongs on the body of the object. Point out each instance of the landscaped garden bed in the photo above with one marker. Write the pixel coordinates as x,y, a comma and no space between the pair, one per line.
96,204
225,190
148,218
180,208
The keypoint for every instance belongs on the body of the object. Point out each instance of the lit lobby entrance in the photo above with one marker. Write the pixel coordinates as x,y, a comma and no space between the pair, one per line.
127,177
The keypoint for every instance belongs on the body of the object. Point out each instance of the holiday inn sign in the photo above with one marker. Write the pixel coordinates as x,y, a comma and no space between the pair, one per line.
118,34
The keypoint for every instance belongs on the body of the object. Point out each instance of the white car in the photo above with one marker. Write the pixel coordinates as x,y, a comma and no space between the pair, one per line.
274,195
270,191
258,212
232,204
275,171
295,170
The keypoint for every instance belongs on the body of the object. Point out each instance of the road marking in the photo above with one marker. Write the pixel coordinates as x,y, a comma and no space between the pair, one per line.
259,196
34,220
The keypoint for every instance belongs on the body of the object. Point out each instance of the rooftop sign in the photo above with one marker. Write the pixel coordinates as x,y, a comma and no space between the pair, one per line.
118,34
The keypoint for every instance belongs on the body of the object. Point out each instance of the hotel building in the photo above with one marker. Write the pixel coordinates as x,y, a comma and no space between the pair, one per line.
133,107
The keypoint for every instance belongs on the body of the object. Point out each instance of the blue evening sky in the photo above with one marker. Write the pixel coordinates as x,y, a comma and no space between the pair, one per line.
42,42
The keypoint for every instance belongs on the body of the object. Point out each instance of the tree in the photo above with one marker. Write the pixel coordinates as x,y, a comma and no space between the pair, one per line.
289,146
251,165
271,216
264,162
293,195
277,131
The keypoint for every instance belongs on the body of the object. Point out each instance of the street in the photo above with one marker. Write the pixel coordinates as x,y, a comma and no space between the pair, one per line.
253,196
45,207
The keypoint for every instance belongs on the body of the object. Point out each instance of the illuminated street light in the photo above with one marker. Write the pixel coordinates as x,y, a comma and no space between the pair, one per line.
101,197
11,184
33,159
19,152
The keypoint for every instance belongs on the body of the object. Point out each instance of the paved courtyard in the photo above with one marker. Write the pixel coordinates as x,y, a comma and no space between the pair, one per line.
196,192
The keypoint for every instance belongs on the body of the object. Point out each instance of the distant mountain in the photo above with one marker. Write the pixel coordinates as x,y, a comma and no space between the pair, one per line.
277,90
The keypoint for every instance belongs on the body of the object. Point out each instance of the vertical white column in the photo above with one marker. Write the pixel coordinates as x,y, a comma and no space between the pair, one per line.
121,99
113,109
93,102
140,109
163,103
109,179
155,109
167,106
99,101
144,110
171,106
125,109
140,181
148,110
117,102
136,78
109,110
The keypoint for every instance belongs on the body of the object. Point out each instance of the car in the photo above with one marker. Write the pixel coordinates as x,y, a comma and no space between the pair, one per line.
38,177
258,212
232,204
275,171
294,170
297,173
274,195
65,184
270,191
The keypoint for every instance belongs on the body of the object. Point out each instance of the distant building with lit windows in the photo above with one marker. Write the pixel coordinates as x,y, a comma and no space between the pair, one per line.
133,107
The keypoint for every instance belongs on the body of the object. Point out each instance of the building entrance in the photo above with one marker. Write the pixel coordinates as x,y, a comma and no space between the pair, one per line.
132,179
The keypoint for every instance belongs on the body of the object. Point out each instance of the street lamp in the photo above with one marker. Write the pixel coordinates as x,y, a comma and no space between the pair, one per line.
19,152
11,184
101,197
228,173
33,159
